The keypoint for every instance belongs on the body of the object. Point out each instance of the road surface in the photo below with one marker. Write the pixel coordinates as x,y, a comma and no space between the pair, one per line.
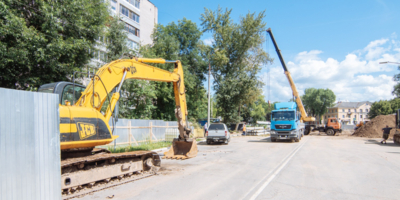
317,167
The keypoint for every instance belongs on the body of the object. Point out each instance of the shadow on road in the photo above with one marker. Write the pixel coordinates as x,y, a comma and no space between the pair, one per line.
389,143
212,143
268,140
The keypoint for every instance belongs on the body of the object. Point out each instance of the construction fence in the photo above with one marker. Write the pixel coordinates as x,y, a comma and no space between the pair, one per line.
29,146
137,131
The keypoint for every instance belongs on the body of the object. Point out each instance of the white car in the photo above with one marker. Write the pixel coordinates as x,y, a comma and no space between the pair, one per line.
218,133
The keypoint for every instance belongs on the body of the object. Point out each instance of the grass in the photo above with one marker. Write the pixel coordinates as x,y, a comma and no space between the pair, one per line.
146,146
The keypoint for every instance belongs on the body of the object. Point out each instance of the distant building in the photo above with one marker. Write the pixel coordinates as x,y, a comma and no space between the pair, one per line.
140,18
350,112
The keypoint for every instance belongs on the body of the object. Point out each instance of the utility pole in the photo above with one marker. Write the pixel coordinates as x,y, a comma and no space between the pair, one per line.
209,93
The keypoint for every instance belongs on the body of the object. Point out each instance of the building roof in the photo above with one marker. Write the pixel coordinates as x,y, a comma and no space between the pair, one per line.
350,104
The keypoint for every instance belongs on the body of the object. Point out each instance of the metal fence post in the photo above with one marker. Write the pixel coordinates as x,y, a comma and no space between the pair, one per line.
165,136
129,132
151,131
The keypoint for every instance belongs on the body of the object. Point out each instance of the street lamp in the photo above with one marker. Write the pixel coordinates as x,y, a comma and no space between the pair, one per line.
388,62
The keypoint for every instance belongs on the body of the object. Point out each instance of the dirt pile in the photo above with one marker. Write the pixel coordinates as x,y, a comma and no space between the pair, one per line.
373,128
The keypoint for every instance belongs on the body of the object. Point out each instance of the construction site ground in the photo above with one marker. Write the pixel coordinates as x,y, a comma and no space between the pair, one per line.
251,167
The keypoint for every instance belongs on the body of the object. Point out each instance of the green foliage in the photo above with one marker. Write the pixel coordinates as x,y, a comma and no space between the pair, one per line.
45,41
145,146
316,101
395,104
382,107
182,42
116,39
236,58
396,89
136,101
268,110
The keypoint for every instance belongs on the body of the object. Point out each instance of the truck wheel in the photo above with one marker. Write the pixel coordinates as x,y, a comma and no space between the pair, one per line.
296,139
208,142
306,131
273,140
330,132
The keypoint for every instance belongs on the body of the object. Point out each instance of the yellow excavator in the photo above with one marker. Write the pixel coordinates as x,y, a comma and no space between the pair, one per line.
83,126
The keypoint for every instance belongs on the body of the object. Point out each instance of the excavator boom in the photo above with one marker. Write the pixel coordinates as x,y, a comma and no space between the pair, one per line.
83,126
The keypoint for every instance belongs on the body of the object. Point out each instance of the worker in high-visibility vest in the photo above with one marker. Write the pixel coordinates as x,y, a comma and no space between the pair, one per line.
244,129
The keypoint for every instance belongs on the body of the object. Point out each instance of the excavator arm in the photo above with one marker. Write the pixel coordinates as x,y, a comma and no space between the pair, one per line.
113,74
303,112
86,111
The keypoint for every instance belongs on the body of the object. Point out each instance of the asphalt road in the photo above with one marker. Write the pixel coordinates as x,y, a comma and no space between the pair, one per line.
317,167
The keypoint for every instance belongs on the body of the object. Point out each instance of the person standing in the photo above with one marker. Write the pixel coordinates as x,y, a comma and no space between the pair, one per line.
244,129
386,132
205,129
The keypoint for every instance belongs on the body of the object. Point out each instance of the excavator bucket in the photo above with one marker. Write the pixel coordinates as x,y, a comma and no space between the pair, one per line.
182,150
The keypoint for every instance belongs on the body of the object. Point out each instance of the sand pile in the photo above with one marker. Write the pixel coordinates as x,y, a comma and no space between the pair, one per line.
373,128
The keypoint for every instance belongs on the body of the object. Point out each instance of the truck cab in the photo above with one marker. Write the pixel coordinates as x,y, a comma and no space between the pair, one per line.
286,123
331,127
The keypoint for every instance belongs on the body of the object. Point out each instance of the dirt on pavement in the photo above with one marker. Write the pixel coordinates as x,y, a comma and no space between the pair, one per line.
373,128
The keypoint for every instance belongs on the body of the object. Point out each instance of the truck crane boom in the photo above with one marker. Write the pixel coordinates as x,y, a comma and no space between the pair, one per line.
300,105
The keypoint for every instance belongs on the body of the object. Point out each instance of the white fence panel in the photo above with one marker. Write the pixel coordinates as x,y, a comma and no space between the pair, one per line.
29,146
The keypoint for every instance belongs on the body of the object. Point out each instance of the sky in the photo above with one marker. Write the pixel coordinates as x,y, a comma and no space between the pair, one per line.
335,44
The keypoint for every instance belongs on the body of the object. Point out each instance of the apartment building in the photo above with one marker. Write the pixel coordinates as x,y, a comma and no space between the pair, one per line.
349,112
140,18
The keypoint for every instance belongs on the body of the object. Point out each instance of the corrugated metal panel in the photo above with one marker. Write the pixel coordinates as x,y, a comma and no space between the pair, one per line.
29,146
143,134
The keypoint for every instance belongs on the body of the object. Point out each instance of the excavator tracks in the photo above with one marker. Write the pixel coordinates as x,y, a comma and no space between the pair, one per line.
104,170
85,190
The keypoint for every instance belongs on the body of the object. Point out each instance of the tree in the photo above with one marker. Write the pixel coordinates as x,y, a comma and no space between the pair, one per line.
45,41
268,110
236,58
116,39
396,89
381,107
137,100
182,42
316,101
395,104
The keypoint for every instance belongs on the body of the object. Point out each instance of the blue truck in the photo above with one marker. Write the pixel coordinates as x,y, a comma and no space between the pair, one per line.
286,123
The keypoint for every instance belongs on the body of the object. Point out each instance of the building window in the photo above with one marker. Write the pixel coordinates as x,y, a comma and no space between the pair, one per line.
361,117
355,110
349,110
99,55
366,110
132,30
342,110
125,11
103,56
135,3
132,45
343,116
113,4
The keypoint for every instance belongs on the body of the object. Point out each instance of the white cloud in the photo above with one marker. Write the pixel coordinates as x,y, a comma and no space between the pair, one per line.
208,41
375,49
359,77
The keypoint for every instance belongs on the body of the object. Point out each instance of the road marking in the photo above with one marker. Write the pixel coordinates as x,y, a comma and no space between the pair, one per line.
279,168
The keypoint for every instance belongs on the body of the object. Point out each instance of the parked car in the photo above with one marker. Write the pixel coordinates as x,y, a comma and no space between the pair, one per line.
218,133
